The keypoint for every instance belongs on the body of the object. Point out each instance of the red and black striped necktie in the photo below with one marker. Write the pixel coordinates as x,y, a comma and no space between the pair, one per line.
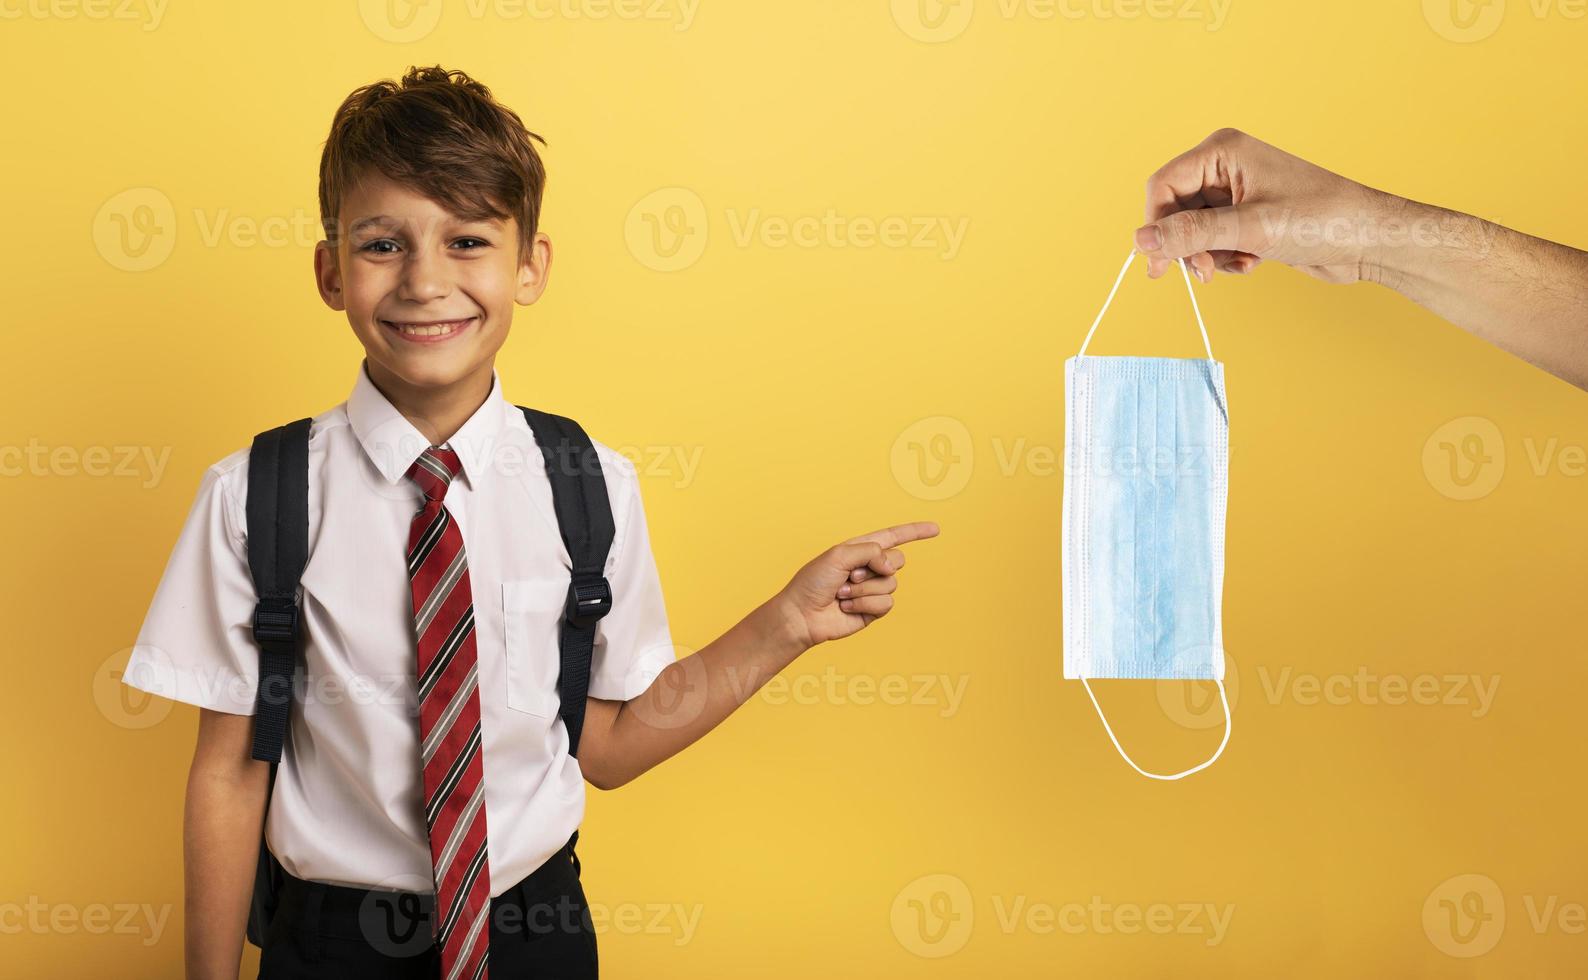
449,723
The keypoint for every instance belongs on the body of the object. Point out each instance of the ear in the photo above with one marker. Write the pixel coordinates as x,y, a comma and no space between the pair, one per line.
534,268
328,275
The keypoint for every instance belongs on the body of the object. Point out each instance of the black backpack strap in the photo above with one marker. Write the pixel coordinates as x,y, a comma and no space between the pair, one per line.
278,548
584,516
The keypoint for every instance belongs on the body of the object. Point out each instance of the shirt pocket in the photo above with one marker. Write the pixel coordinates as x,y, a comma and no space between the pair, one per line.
531,625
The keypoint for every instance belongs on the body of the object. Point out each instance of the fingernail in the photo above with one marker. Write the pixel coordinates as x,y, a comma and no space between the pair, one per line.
1149,238
846,605
844,590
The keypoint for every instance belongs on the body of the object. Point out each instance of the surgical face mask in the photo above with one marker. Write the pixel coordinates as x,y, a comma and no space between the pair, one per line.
1145,478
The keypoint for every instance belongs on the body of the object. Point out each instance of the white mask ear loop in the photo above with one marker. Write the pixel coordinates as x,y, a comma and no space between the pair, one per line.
1121,278
1223,699
1155,775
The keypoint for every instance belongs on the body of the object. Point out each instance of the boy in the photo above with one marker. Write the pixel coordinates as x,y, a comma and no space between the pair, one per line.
428,766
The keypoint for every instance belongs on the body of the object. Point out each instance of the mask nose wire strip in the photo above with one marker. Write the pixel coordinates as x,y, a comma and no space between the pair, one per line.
1121,278
1154,775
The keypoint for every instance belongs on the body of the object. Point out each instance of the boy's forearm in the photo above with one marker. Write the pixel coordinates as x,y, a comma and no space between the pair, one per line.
221,826
687,699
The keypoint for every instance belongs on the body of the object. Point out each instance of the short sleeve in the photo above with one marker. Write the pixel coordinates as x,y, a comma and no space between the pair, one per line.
633,641
196,644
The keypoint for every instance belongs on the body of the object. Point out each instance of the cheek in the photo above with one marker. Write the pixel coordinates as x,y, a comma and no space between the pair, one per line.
363,290
492,284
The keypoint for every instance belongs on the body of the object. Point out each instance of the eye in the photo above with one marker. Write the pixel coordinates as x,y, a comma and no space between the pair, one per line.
378,246
476,243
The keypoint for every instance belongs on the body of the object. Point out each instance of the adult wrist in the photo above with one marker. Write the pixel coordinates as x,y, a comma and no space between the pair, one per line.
1421,247
1386,256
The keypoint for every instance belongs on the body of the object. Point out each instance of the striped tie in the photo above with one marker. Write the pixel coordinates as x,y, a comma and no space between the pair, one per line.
449,723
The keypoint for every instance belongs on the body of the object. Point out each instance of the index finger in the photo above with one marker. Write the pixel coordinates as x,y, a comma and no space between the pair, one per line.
1184,183
1191,180
892,537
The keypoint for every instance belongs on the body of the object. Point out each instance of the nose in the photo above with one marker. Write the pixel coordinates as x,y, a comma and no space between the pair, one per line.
424,277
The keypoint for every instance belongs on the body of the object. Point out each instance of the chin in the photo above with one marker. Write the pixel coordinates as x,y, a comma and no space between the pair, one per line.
429,371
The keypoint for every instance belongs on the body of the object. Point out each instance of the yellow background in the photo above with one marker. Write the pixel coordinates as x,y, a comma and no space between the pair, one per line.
796,371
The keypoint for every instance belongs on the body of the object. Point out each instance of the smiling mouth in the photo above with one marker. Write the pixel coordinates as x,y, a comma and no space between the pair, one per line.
427,331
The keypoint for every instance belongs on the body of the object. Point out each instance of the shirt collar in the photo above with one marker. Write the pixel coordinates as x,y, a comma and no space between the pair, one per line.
393,443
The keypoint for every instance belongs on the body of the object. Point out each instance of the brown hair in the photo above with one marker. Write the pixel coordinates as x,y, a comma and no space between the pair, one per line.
441,133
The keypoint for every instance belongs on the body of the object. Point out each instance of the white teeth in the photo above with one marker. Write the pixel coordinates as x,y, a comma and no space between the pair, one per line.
434,330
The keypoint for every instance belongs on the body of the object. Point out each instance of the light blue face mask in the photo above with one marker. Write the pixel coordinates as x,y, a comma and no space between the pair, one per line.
1145,478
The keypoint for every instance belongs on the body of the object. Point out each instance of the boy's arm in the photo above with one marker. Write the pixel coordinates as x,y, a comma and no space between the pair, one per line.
837,594
221,826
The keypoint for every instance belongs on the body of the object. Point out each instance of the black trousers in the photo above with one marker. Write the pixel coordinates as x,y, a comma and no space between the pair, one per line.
540,928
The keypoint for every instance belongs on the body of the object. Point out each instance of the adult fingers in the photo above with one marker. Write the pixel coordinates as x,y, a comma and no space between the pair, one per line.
1187,233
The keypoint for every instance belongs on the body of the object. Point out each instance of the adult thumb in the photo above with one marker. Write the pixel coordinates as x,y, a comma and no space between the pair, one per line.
1185,233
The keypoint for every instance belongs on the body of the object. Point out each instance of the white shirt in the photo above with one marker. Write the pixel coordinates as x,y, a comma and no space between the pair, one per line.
347,807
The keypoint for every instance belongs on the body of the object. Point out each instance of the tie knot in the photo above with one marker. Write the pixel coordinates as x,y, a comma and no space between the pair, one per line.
434,470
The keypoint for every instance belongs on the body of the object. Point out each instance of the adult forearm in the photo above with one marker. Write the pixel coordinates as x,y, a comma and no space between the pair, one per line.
1233,201
1526,295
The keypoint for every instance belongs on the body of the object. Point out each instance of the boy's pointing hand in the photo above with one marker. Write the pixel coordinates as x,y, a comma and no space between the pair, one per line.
843,589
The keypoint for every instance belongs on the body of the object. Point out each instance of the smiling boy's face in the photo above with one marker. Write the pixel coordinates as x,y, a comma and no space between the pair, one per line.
429,295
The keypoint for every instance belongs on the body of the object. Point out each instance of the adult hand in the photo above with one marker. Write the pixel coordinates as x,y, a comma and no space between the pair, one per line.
1231,201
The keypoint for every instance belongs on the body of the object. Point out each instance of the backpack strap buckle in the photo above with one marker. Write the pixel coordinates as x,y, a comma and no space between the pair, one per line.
276,620
589,598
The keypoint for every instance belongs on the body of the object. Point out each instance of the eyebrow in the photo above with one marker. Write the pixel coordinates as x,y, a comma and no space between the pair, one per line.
363,223
387,220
